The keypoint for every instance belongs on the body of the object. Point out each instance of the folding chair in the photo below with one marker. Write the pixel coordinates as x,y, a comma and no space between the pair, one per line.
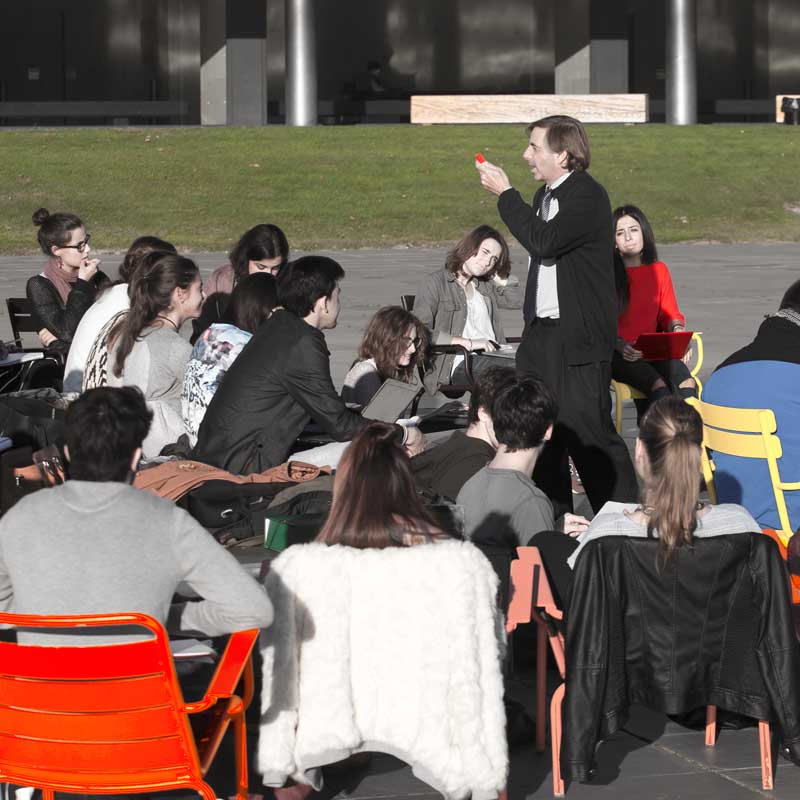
50,367
745,433
111,718
624,391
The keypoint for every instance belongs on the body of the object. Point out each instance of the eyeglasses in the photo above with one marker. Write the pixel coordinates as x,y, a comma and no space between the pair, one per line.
81,246
409,341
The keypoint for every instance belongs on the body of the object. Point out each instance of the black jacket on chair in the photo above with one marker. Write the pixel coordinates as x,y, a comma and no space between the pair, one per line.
278,383
713,626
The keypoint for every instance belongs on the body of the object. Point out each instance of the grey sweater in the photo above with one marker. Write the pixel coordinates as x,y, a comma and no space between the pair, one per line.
90,548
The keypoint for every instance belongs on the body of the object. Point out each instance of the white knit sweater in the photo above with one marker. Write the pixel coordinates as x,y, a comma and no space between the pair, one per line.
394,650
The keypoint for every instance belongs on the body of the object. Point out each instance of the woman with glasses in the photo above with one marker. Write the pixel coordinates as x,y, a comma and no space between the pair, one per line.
68,284
262,249
395,343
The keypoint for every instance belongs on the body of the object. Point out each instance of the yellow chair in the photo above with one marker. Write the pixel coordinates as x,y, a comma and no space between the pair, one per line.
624,391
745,433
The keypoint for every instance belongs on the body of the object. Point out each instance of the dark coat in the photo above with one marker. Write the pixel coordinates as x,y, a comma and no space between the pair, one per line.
580,240
712,626
279,382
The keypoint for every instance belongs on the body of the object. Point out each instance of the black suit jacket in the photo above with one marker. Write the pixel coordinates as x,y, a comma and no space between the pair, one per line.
278,383
580,239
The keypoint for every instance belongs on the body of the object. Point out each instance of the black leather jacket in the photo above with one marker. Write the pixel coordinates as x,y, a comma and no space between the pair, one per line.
278,383
712,626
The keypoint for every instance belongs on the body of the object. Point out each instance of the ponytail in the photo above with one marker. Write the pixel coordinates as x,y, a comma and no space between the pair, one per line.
672,434
150,291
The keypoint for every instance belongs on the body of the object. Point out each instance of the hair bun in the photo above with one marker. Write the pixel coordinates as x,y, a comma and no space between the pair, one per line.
40,216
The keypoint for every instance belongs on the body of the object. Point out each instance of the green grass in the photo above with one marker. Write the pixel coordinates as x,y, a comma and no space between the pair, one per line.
365,186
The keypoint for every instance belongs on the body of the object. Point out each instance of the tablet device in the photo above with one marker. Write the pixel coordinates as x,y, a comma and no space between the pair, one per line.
663,346
391,400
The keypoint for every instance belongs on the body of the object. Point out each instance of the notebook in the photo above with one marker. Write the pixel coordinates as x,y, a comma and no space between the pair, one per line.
663,346
391,400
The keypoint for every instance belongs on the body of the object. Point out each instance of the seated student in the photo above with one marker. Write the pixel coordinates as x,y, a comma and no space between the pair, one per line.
647,305
367,652
97,545
763,374
502,505
146,348
262,249
281,381
460,302
251,303
110,302
442,470
667,460
394,344
69,282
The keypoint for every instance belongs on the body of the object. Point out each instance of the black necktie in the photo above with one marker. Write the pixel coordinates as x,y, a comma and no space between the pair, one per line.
548,196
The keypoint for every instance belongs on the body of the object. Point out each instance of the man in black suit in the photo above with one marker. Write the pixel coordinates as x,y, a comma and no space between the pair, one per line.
570,308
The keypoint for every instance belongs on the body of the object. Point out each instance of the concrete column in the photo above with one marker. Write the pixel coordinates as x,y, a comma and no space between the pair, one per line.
591,48
233,78
681,62
301,63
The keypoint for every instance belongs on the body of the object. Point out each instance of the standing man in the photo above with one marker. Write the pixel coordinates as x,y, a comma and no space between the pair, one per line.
570,309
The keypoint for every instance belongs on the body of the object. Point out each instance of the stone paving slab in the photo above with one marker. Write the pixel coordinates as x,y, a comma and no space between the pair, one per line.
724,291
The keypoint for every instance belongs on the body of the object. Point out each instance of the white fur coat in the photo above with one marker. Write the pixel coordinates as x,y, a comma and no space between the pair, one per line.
394,650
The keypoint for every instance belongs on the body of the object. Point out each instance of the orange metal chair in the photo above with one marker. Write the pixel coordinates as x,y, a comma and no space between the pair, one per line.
532,600
111,718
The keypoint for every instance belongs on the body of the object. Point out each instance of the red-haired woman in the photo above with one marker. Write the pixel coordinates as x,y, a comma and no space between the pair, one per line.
394,344
460,302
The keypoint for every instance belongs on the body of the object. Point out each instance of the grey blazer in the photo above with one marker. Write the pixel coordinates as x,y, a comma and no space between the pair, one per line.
441,305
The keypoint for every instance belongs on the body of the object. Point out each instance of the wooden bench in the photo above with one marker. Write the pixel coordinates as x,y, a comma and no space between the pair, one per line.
481,108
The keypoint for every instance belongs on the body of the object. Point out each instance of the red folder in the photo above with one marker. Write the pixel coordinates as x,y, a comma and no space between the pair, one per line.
663,346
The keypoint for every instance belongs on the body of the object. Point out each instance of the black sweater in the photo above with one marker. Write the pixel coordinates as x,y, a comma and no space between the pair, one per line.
580,239
49,310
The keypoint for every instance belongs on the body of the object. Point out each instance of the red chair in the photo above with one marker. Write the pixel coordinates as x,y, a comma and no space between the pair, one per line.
111,718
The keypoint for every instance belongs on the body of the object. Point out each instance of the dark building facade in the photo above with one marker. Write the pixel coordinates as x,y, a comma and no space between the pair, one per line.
220,62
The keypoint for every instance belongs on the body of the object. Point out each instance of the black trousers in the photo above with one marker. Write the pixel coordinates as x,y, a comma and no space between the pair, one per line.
583,430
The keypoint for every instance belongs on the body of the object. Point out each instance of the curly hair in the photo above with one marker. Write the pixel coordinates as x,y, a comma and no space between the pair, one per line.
385,341
468,246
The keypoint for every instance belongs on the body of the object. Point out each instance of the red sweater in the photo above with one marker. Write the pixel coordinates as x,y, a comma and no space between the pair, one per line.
652,305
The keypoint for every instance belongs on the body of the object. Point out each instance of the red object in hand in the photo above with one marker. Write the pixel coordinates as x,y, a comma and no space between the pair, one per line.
479,158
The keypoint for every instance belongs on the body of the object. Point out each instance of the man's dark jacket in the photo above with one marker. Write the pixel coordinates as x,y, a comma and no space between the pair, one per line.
580,239
712,626
279,382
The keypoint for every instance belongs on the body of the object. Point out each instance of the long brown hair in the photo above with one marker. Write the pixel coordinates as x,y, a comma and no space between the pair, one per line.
468,245
672,435
384,340
375,501
150,291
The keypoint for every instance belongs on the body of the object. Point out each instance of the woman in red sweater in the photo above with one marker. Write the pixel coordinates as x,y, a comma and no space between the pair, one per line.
647,305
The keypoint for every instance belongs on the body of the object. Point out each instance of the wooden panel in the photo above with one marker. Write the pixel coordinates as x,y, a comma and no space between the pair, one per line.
430,109
778,98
